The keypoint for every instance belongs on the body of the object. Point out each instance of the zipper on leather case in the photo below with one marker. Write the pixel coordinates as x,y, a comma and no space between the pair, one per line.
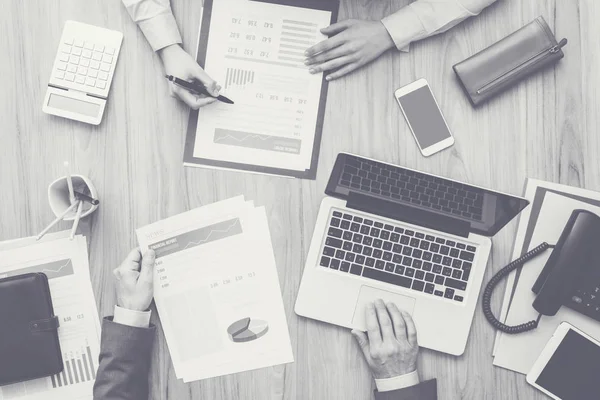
530,61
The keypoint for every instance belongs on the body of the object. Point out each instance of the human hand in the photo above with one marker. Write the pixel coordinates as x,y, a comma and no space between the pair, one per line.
351,44
135,276
180,64
391,347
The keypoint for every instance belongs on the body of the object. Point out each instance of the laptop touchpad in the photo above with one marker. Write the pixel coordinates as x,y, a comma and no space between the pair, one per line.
370,294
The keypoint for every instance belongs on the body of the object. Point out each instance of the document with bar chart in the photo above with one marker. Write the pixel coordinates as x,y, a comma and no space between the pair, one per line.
255,50
65,262
217,290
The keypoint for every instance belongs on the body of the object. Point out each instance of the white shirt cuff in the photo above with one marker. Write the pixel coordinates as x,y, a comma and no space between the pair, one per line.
398,382
404,26
161,31
138,319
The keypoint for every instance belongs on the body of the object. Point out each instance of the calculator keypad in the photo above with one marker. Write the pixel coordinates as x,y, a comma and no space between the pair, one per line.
85,63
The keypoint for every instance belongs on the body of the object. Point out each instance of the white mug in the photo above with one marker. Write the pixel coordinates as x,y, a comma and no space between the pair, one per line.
58,196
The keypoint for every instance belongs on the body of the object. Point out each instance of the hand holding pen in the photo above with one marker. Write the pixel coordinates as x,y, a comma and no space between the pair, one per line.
180,64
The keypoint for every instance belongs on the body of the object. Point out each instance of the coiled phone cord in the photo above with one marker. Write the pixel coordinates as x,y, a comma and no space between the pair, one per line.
487,294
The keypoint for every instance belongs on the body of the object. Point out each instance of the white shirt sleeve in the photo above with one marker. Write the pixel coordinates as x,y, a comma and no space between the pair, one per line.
156,20
425,18
397,382
138,319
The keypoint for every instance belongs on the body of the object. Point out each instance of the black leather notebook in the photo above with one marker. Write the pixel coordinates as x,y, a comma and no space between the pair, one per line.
29,346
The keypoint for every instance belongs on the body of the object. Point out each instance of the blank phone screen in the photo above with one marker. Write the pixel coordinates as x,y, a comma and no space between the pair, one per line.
572,371
424,117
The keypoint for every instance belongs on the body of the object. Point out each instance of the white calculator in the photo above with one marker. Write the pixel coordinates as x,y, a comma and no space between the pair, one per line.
82,72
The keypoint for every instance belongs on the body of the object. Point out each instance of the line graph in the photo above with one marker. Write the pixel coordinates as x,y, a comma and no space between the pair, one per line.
54,269
198,237
257,141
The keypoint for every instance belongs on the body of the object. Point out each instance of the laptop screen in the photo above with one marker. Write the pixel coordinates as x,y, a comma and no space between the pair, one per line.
486,211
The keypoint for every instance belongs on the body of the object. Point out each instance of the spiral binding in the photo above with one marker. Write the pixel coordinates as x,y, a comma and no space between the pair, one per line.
487,294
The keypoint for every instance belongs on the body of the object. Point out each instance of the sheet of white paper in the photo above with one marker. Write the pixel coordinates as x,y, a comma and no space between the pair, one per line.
519,352
215,266
530,190
256,52
65,262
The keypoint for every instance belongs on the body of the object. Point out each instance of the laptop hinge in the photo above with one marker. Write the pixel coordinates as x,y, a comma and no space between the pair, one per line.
411,215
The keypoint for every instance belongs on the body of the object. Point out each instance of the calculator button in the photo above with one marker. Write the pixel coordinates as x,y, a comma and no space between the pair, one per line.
82,71
76,51
109,50
78,43
59,74
61,65
95,64
99,47
69,40
106,58
85,62
90,82
103,75
97,56
72,68
80,80
64,57
105,67
92,73
87,54
89,46
100,84
69,76
74,60
66,49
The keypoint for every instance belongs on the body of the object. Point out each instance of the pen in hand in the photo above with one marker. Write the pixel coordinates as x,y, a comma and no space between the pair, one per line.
196,87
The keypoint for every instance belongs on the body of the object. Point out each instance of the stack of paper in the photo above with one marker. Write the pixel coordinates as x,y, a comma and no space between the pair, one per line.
217,291
544,221
65,262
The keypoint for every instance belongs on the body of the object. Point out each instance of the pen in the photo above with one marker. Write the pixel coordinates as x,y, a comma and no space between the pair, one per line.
77,218
196,88
86,198
57,220
69,183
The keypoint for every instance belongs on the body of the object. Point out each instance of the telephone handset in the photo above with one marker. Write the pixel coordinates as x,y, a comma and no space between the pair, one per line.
575,260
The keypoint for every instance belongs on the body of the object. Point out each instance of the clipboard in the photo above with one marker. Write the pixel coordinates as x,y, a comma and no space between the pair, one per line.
189,159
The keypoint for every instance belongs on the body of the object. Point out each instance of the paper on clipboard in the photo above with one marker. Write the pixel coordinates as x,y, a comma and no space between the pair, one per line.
255,50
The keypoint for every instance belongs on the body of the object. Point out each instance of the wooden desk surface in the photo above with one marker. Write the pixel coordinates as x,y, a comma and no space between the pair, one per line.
546,128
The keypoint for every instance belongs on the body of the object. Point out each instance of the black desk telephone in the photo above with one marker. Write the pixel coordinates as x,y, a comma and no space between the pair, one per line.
571,276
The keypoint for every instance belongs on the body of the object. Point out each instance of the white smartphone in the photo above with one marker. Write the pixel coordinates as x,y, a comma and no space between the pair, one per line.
424,117
567,367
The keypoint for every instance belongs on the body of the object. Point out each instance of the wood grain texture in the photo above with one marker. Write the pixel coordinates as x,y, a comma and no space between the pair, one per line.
545,128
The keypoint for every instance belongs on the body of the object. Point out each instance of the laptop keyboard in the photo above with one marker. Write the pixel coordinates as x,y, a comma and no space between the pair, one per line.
396,255
412,186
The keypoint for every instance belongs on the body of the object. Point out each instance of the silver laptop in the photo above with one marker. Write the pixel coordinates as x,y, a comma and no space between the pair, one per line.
418,240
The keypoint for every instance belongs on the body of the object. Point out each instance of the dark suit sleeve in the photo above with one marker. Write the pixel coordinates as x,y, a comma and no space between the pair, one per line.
125,354
423,391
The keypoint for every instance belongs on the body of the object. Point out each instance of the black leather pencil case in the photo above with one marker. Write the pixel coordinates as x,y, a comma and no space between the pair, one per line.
508,61
29,346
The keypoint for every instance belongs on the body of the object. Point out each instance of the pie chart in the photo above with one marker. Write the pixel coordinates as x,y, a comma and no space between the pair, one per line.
247,329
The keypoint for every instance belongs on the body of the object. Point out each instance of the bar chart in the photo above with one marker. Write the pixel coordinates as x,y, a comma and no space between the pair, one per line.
238,77
78,367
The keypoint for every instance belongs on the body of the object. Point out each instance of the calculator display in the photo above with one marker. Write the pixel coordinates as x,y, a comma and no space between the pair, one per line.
73,105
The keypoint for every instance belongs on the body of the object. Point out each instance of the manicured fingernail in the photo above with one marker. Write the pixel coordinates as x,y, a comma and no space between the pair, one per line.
312,70
306,53
328,78
306,62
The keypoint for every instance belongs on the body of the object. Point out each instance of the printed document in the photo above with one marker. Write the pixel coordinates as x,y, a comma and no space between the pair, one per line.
256,52
217,290
65,262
